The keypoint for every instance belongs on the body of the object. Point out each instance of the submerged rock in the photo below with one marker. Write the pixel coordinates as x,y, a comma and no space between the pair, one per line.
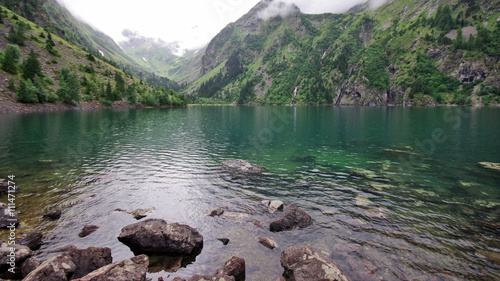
54,215
307,264
490,166
156,236
224,241
363,201
364,173
233,270
33,241
268,242
290,218
130,269
87,230
8,218
381,186
243,166
141,213
216,213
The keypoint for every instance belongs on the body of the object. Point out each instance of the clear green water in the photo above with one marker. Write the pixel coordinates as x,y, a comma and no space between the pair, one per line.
395,193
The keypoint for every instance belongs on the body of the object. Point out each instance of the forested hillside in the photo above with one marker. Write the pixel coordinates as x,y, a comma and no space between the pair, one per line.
57,19
39,67
424,52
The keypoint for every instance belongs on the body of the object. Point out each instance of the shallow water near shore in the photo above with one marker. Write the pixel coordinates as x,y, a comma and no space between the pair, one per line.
395,193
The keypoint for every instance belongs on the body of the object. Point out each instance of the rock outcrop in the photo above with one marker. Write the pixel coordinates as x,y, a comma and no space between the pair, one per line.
306,264
156,236
290,218
130,269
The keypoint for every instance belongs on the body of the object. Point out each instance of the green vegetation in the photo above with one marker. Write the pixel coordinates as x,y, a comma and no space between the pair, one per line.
402,53
33,66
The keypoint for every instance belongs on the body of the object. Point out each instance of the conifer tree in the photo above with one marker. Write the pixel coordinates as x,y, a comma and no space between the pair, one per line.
31,67
10,60
26,92
40,90
69,90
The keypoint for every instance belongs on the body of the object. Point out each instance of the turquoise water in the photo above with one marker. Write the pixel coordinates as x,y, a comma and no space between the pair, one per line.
395,193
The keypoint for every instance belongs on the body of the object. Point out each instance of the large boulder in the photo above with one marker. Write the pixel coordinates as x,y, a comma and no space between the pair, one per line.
302,263
243,167
290,218
28,266
11,259
8,218
156,236
88,260
72,264
58,268
130,269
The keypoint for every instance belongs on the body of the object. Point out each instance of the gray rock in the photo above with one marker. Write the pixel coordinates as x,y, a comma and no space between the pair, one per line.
130,269
8,218
234,267
58,268
156,236
290,218
306,264
28,266
87,230
88,260
33,241
267,242
275,205
243,167
12,256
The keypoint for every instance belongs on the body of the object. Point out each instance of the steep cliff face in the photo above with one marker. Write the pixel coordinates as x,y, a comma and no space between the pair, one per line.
399,54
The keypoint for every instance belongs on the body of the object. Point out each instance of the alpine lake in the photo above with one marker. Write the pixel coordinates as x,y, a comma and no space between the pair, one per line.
395,193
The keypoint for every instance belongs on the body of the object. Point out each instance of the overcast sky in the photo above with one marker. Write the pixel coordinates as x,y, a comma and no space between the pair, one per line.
192,22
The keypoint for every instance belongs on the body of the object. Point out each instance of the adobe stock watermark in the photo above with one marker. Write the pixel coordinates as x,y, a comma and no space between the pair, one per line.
452,116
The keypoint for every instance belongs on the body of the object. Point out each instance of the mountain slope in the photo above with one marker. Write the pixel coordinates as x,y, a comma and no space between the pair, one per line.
57,19
404,52
161,57
42,71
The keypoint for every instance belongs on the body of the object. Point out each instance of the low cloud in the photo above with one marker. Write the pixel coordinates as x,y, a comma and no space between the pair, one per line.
278,8
332,6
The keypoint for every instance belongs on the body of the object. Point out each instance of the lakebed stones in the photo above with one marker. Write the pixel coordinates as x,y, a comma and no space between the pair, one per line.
305,263
290,218
243,167
139,213
130,269
156,236
216,213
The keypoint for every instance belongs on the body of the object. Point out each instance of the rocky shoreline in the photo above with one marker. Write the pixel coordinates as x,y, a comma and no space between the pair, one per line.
155,236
